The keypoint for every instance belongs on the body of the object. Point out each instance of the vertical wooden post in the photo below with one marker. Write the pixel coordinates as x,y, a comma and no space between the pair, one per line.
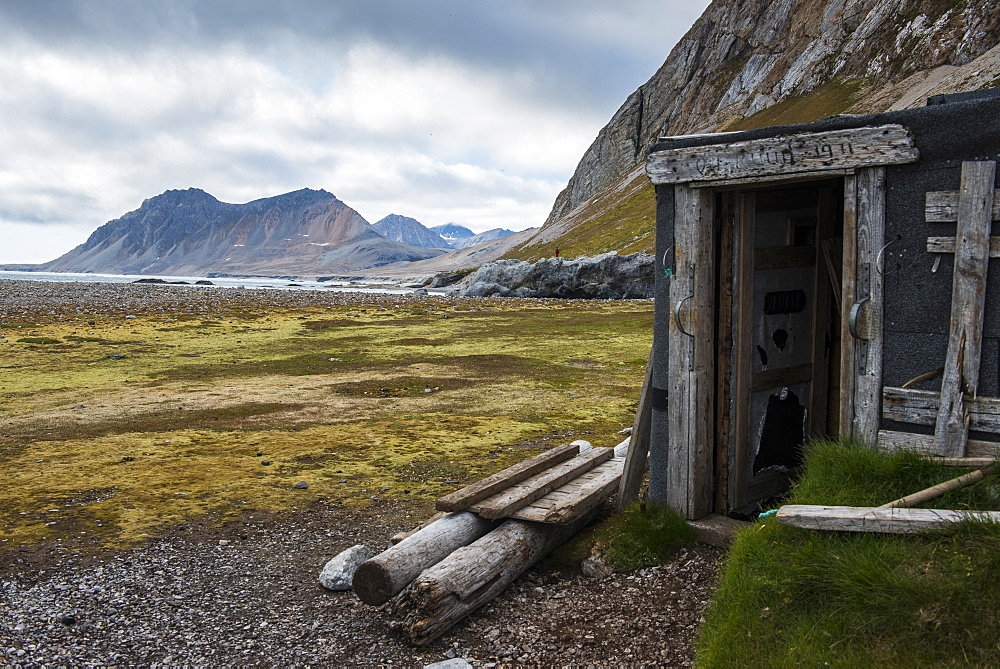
848,363
692,351
870,243
968,298
638,446
743,301
861,359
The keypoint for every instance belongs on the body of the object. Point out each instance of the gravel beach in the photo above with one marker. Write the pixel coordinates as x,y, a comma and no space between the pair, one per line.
246,593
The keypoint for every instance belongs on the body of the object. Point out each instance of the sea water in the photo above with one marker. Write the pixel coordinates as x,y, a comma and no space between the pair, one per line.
367,286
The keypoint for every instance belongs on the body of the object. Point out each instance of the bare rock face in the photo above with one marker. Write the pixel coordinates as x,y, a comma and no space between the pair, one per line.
742,57
607,276
189,232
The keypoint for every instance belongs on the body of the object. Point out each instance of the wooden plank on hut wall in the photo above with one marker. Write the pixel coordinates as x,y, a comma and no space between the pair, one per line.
638,447
742,325
789,154
947,245
870,519
871,237
728,219
848,286
691,361
942,206
826,210
924,443
491,485
968,300
921,407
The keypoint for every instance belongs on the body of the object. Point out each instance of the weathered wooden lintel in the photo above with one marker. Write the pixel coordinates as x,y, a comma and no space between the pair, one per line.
816,152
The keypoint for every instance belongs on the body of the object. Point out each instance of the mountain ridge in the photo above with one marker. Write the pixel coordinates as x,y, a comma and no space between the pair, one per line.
190,232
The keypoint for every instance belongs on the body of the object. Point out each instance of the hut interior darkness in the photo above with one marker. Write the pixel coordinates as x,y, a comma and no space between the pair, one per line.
823,279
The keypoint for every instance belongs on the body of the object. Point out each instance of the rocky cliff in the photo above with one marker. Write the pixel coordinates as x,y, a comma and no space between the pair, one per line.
189,232
411,231
751,63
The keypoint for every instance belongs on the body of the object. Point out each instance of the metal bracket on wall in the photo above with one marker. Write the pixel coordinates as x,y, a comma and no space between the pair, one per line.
858,318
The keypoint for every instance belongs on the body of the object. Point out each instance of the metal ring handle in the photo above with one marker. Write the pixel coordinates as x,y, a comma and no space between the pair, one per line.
677,314
880,259
852,319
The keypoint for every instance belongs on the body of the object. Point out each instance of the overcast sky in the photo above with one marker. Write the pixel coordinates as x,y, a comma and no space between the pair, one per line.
466,111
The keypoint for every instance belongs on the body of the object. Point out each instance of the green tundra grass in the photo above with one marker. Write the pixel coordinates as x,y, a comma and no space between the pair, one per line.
363,401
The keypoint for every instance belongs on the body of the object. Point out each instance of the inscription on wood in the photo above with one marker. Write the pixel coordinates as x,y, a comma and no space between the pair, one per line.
788,154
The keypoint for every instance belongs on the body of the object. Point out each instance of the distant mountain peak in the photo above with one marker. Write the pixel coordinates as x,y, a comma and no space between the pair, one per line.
411,231
190,232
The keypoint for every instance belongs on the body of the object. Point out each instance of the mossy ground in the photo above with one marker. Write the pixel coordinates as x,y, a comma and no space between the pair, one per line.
402,403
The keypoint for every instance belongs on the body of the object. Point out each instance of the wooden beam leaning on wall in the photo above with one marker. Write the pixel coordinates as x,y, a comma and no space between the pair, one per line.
638,448
968,301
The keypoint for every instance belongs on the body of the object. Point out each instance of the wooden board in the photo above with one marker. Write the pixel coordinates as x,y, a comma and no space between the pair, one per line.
691,361
505,503
947,245
864,389
491,485
578,497
787,154
921,407
781,376
924,443
942,206
638,449
869,519
968,300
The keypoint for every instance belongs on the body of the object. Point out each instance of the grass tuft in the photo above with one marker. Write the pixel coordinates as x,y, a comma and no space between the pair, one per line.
794,596
643,535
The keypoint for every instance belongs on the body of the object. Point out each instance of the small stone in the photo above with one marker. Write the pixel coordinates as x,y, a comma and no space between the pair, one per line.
338,574
265,462
595,567
116,356
80,406
583,445
455,663
301,485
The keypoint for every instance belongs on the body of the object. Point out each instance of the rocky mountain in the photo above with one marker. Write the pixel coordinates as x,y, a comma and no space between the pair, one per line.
410,231
189,232
495,233
452,232
753,63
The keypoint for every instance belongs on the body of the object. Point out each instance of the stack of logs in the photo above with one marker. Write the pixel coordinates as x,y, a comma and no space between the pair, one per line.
481,542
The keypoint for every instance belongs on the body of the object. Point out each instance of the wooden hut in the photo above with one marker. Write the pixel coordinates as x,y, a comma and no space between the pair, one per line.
822,279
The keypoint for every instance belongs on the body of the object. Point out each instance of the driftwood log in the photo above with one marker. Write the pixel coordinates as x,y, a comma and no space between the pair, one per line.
473,575
379,579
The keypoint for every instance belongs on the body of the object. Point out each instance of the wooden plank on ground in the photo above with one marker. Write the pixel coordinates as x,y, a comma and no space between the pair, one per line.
518,496
921,407
638,447
968,300
870,519
491,485
942,206
924,443
788,154
577,498
947,245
